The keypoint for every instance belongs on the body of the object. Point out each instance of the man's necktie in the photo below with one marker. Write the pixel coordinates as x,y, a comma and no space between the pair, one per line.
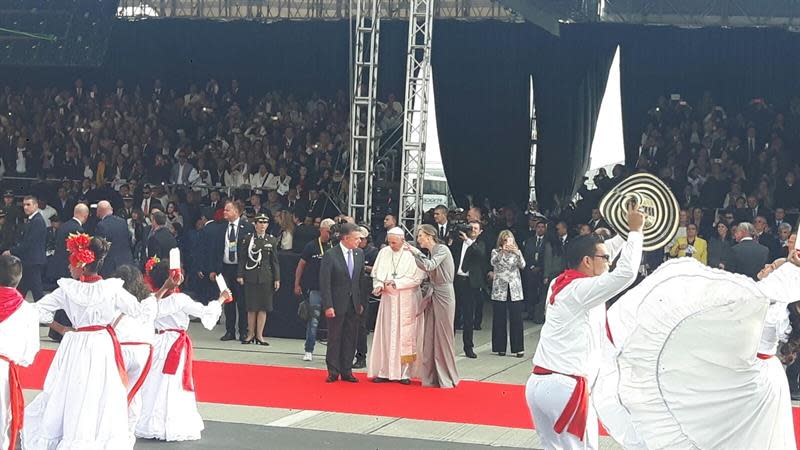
441,231
231,244
350,263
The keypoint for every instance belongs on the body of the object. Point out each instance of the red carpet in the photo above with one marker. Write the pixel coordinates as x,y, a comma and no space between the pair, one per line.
471,402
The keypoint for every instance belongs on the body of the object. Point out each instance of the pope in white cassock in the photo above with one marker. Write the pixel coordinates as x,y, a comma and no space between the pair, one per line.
396,279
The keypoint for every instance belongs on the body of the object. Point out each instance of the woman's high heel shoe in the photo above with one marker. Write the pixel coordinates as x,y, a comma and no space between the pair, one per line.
260,342
248,341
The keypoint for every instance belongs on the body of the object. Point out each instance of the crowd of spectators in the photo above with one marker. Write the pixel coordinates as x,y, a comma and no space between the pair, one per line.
179,150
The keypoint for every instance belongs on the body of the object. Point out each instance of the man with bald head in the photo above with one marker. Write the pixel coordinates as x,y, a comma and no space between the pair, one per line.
114,229
58,265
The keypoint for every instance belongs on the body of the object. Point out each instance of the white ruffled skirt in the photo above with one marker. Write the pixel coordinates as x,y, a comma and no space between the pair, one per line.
84,404
684,373
169,412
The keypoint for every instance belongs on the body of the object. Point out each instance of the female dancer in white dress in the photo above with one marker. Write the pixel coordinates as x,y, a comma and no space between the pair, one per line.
693,363
84,402
136,339
169,408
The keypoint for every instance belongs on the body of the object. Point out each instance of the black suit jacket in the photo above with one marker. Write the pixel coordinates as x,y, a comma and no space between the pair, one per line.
60,260
216,246
337,288
749,258
160,242
475,262
115,230
64,211
31,247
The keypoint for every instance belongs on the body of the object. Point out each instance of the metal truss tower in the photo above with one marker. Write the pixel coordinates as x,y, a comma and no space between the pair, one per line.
362,115
415,123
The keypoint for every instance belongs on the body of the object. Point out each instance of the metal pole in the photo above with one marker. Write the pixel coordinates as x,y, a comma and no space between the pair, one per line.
415,122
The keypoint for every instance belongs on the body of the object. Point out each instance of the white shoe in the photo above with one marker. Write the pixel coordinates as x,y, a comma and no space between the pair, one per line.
307,356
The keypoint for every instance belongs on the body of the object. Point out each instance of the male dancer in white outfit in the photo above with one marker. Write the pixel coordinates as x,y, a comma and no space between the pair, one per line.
569,353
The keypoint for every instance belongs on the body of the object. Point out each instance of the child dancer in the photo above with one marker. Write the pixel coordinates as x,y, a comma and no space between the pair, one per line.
84,401
19,343
169,410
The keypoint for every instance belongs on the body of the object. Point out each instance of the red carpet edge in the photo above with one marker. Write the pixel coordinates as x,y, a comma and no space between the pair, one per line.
472,402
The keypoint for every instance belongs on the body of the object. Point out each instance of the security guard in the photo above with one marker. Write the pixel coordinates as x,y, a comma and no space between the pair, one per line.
259,272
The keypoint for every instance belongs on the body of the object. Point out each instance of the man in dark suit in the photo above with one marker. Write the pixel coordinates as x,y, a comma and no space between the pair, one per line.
766,238
210,231
533,253
223,260
340,275
64,205
114,229
31,249
160,241
469,256
749,256
597,220
443,228
58,265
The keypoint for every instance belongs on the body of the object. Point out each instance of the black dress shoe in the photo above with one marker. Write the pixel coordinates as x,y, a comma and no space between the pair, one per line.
380,380
360,364
260,342
331,379
228,337
405,381
349,378
470,354
501,353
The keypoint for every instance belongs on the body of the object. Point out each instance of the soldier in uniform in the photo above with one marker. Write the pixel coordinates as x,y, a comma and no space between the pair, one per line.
259,272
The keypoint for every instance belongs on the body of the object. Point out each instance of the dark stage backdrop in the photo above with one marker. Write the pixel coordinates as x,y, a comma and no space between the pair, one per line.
481,74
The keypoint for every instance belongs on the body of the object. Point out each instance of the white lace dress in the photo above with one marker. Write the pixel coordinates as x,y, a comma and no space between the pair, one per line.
169,410
83,405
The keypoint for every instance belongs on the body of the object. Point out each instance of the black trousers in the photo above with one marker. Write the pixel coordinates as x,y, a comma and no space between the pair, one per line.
793,374
342,334
466,297
534,295
32,281
507,314
483,296
237,305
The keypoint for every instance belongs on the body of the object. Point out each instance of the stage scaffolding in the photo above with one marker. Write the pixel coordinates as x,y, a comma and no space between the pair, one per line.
363,112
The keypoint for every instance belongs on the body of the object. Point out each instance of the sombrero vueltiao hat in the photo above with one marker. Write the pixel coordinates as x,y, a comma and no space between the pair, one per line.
654,198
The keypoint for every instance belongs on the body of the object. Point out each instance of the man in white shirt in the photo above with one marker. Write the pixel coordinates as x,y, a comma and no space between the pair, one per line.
569,353
226,264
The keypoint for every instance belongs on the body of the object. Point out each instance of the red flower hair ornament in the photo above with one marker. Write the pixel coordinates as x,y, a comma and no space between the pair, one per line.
79,253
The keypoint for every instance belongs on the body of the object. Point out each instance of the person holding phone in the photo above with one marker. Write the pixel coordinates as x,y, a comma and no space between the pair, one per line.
507,295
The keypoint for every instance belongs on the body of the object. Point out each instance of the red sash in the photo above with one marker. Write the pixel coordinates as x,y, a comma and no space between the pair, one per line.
123,374
146,370
576,411
763,356
565,279
10,301
182,344
17,402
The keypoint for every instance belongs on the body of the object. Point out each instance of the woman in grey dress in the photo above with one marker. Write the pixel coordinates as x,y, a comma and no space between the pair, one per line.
437,367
